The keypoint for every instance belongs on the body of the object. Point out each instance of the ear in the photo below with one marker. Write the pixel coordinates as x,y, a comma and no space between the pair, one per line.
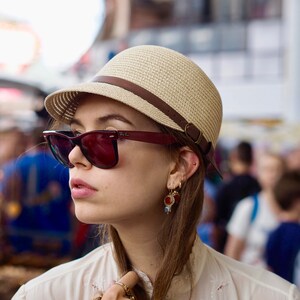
184,167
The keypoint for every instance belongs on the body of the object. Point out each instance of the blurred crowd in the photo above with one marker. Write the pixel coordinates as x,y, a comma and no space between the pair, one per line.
252,215
36,209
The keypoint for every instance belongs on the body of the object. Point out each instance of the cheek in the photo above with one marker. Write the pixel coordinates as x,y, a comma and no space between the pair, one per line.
145,171
150,157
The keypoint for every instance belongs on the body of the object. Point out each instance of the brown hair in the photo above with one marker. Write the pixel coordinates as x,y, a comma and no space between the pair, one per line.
287,189
244,152
178,231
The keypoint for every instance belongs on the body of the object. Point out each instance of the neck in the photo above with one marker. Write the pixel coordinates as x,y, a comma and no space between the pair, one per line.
269,198
289,216
142,247
240,169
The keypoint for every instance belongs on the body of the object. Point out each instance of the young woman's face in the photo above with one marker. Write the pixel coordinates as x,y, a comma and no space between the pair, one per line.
134,189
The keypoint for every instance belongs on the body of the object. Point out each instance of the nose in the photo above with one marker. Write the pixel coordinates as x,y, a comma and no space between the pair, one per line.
77,158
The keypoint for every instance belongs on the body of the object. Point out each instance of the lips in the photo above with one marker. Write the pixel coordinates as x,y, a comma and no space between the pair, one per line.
80,189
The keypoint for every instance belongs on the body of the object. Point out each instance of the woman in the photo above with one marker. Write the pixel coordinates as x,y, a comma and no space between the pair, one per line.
256,216
142,135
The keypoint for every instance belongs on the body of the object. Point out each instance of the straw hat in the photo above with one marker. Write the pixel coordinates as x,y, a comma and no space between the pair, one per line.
160,83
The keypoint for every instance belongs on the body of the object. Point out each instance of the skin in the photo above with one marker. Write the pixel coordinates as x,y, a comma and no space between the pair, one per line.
130,195
115,291
269,169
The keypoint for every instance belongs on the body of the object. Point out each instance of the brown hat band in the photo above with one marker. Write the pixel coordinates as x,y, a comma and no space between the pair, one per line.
190,129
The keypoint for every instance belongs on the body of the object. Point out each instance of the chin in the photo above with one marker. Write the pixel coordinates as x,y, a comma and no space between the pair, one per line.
86,218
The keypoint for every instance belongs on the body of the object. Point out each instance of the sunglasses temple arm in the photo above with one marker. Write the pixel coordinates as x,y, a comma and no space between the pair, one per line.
149,137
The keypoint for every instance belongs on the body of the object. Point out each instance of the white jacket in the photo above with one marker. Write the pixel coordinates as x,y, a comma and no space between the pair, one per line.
215,277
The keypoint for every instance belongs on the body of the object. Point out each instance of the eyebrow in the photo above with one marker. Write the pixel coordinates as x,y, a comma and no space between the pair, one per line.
104,119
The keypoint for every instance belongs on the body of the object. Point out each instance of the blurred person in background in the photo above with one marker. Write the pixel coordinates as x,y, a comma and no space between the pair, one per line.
256,216
36,201
241,184
12,144
205,228
283,245
293,159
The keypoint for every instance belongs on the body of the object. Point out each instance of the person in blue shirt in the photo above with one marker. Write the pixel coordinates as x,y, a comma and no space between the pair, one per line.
283,244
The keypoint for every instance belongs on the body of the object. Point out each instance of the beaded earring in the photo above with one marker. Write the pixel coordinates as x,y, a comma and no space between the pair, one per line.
170,199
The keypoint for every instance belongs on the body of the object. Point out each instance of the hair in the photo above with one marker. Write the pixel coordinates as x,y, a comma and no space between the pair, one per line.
244,152
178,231
287,189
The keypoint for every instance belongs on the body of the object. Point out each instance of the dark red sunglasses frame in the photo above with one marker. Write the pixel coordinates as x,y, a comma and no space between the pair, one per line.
61,143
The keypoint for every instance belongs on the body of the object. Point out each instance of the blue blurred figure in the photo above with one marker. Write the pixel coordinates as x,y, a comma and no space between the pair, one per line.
37,202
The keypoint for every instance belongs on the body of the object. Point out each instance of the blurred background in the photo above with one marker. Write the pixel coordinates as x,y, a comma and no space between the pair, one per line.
249,48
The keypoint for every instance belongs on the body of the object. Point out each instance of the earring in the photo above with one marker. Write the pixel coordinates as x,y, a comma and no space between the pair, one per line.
170,199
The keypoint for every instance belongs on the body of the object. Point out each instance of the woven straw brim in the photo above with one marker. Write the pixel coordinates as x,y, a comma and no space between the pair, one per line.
63,103
167,74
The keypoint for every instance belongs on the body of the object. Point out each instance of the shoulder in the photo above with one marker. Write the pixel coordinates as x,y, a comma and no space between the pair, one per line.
239,222
248,181
99,255
286,231
243,207
245,203
77,278
249,280
289,226
244,181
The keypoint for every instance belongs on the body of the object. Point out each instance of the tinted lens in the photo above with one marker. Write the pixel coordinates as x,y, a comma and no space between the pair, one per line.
100,150
61,147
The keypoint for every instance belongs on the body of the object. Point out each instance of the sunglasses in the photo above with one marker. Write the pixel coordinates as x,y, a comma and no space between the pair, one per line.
99,146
